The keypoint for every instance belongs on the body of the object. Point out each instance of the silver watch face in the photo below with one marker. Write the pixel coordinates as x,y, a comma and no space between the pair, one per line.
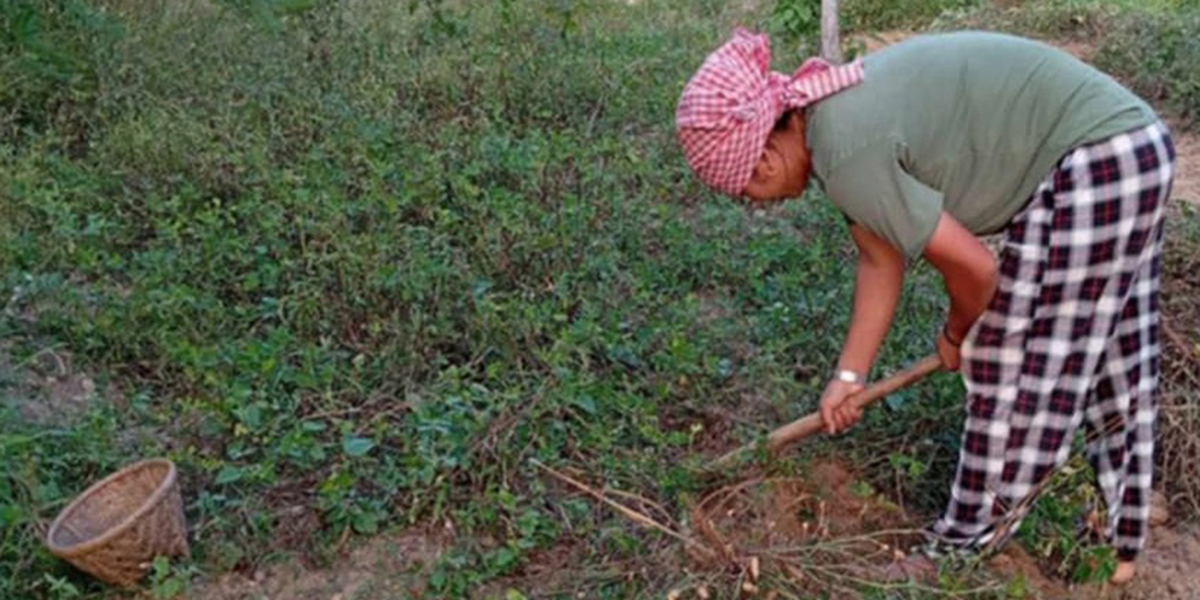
848,376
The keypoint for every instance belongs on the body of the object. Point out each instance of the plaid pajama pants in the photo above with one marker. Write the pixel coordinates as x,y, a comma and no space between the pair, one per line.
1070,338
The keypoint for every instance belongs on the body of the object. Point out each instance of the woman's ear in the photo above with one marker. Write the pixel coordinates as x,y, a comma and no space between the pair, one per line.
764,170
764,178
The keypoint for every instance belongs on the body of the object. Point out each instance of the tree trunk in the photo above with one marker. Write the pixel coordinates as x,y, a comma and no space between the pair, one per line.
831,44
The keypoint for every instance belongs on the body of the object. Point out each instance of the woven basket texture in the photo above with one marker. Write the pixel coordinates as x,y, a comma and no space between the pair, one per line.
116,528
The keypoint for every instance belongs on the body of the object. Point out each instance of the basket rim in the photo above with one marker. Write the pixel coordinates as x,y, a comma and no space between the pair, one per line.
155,498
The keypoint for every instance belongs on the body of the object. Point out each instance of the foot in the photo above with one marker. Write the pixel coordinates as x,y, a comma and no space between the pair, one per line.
1124,573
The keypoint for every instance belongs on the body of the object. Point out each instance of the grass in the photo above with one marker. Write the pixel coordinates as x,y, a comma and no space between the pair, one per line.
868,16
354,266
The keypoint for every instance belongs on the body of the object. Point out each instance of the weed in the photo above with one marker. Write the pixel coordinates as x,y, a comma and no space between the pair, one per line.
796,19
168,580
1157,53
1055,528
882,15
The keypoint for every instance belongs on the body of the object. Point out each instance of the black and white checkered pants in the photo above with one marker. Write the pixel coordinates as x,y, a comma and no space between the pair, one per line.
1071,337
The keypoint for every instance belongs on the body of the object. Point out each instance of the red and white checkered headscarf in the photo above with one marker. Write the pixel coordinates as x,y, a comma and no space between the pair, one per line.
732,103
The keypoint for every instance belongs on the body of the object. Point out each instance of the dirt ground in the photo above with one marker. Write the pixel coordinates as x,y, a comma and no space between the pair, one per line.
829,518
387,566
818,533
775,531
1187,165
1166,571
47,389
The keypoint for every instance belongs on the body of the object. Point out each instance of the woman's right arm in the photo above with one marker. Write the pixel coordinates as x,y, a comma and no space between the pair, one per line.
878,279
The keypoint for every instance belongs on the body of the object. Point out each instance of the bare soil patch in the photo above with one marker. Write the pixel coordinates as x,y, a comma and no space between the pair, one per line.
821,531
1014,563
828,501
1168,569
1186,187
387,566
47,389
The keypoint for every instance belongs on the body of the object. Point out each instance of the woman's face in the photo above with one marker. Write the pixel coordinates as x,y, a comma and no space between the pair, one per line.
783,170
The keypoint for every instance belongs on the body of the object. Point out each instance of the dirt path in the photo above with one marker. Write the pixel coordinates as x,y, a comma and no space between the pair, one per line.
395,565
1187,165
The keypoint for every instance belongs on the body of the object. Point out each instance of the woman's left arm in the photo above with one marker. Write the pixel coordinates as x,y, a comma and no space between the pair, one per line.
970,274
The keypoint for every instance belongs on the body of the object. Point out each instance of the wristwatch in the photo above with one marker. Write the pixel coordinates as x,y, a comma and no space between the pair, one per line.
848,376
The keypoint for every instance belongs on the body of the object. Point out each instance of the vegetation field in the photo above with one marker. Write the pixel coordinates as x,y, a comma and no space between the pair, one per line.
376,270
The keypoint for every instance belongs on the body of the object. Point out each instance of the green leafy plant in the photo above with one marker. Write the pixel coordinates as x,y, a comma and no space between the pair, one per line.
59,588
168,580
796,19
1157,53
881,15
1054,529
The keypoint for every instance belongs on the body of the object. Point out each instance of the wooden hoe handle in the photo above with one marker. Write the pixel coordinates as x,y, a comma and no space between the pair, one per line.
804,427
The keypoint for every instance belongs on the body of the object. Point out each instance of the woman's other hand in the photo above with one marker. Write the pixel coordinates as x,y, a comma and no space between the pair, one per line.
948,351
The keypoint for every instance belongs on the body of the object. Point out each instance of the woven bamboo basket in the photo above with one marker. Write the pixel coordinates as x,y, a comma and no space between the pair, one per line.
115,528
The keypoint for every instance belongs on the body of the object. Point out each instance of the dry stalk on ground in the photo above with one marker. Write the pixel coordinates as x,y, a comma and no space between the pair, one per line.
1179,421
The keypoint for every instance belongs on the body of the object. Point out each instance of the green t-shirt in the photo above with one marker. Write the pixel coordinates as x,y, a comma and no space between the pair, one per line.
967,123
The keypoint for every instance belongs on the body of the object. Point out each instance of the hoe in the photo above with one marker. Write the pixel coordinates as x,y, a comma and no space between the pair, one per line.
806,426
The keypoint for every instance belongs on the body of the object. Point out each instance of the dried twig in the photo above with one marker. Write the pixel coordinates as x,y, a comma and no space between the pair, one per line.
1177,339
709,532
629,513
642,500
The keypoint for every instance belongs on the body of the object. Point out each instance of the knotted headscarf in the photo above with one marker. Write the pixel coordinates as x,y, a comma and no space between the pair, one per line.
730,105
